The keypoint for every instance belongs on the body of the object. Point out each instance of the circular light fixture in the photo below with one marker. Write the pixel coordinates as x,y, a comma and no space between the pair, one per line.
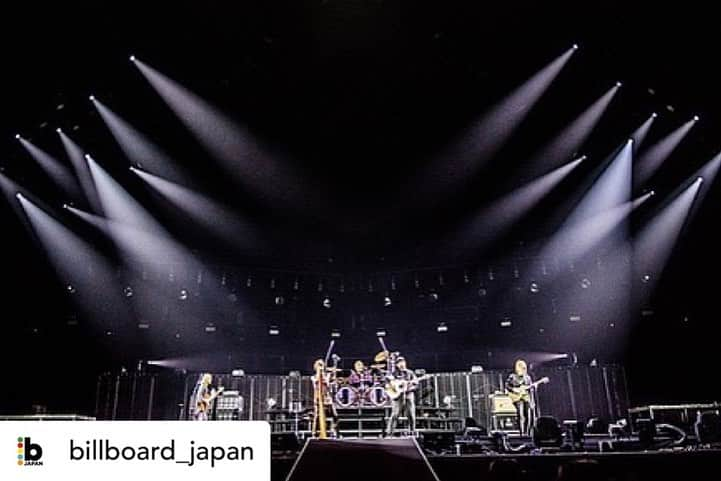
387,302
646,278
327,303
183,295
534,288
585,283
128,291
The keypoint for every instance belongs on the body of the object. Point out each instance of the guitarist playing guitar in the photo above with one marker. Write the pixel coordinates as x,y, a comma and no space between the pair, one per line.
402,383
520,389
203,397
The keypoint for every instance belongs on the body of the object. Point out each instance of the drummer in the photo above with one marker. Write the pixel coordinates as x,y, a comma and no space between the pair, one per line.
360,377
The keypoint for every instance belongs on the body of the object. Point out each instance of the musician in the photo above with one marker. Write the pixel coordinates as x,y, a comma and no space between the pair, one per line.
327,378
520,382
406,402
361,377
200,396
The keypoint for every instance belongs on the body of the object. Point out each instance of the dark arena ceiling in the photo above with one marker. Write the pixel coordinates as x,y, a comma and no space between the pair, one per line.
359,128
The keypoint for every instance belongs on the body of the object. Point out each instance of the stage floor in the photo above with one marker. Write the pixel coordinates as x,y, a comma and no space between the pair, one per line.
621,466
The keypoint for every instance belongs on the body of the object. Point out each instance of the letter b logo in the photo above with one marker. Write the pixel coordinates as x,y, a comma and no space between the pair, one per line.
33,452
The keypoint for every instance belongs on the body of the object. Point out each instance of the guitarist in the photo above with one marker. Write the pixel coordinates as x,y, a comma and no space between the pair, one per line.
519,384
406,402
202,397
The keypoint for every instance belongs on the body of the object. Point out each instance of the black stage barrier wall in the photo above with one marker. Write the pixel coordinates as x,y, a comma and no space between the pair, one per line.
580,392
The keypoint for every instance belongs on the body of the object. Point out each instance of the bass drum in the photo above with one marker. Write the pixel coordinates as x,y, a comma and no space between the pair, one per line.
376,396
346,397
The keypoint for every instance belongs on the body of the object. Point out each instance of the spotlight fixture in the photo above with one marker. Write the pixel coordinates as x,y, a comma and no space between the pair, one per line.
17,136
381,333
654,115
273,331
19,196
279,300
71,289
335,334
183,295
128,291
92,98
59,130
327,303
506,322
132,58
210,328
534,288
482,292
696,118
442,327
646,278
387,302
585,283
618,84
575,46
699,179
433,297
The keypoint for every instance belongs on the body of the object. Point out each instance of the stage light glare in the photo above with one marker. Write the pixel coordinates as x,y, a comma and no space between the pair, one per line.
696,118
327,303
132,58
19,196
387,301
585,283
273,331
183,295
618,84
59,130
654,115
18,137
335,334
442,327
534,288
92,98
646,278
699,179
575,46
128,291
630,141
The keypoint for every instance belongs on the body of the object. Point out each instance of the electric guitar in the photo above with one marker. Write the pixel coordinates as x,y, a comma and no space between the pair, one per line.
395,388
204,404
523,393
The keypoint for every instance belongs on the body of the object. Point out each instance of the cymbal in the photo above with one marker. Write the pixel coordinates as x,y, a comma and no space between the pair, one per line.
378,366
333,369
381,356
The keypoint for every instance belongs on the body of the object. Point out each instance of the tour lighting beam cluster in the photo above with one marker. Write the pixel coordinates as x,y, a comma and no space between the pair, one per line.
204,211
77,159
486,136
56,171
495,220
642,132
79,266
655,242
137,147
575,134
241,155
651,160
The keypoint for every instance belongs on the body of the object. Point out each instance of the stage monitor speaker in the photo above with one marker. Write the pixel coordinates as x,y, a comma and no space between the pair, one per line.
438,442
284,443
547,433
361,460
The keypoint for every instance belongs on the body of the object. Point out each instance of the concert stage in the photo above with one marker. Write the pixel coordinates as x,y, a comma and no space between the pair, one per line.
362,459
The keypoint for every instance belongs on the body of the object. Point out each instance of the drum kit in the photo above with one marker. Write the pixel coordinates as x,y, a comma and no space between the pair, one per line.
363,386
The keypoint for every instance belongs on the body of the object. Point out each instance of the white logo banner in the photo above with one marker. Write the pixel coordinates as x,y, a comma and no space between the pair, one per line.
139,450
